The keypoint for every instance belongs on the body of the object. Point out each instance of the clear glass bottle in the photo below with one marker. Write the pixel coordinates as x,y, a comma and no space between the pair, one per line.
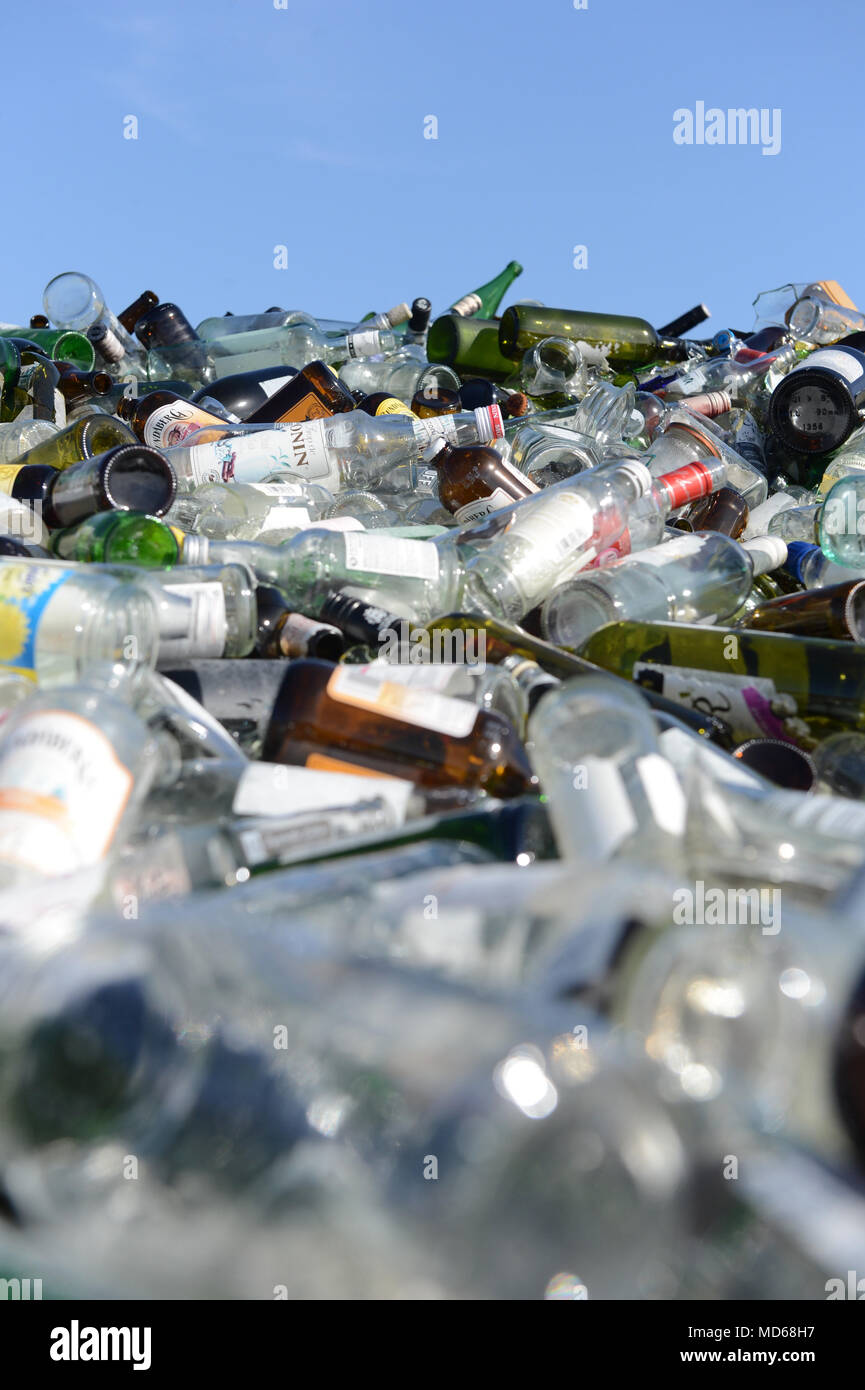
701,577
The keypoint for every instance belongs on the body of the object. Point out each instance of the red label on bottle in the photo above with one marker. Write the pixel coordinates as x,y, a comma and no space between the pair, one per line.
612,552
685,484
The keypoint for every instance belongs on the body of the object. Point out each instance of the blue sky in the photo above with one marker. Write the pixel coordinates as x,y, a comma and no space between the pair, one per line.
303,126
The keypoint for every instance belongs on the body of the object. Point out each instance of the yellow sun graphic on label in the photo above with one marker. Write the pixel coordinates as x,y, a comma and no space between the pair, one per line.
14,630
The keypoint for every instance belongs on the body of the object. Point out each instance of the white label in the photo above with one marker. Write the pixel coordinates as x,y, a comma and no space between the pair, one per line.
611,815
300,448
172,423
208,624
340,523
59,408
670,551
390,555
482,506
270,388
557,527
840,362
751,704
284,518
62,793
388,690
663,791
270,789
286,489
365,343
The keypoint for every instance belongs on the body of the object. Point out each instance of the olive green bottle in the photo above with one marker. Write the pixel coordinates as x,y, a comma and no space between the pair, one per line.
92,435
626,341
763,684
470,346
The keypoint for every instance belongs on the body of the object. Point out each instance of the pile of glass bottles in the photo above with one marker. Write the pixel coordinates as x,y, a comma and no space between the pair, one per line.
432,801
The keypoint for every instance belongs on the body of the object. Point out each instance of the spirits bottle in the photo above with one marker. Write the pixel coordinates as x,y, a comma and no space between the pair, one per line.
205,612
626,341
766,685
75,764
249,511
687,439
124,359
474,480
129,316
59,619
93,435
701,577
294,346
545,539
393,719
484,301
416,576
163,419
743,382
313,394
347,450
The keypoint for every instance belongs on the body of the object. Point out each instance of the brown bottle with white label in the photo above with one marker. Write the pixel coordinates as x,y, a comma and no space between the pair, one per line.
383,719
475,480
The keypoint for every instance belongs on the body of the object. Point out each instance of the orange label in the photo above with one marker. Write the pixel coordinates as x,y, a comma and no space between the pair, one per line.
834,291
322,763
309,407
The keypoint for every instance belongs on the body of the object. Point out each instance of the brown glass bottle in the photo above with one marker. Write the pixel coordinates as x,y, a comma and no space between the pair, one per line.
475,480
163,419
75,385
313,394
334,717
137,309
838,610
129,477
725,511
435,400
282,632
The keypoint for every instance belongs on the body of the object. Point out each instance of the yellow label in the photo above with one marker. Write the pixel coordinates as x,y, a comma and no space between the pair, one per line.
179,536
394,407
8,473
322,763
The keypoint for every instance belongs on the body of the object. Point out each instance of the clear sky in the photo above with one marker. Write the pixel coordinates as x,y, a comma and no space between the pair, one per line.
266,123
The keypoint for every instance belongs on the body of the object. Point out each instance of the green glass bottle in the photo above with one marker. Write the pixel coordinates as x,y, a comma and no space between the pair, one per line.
483,302
763,684
470,346
10,365
132,538
626,341
59,344
92,435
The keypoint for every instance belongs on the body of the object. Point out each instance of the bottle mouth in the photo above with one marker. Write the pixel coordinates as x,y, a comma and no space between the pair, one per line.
139,479
573,613
854,612
779,762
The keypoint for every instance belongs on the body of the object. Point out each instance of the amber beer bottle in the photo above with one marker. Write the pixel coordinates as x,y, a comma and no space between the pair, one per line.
475,480
393,720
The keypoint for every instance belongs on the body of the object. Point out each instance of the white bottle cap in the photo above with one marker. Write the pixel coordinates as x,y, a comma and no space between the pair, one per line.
638,472
767,552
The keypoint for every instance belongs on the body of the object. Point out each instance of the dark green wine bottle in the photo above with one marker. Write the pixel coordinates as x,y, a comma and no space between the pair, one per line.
117,537
470,346
483,302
